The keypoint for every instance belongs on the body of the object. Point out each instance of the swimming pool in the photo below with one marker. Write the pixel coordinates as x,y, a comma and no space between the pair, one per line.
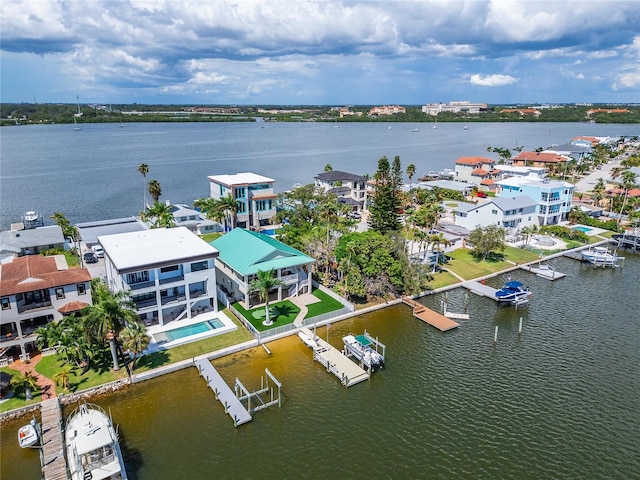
189,330
582,229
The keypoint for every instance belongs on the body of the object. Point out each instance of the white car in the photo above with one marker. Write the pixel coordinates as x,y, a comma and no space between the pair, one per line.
98,251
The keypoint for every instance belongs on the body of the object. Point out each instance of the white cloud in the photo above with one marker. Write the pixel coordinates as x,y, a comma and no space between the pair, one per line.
492,80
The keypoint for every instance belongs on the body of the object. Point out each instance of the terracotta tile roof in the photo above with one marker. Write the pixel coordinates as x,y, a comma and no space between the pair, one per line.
487,181
34,272
479,172
472,161
72,307
544,157
593,140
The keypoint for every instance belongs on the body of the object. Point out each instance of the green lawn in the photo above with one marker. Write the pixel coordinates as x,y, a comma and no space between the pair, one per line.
287,313
468,267
326,305
210,237
443,279
18,399
520,255
194,349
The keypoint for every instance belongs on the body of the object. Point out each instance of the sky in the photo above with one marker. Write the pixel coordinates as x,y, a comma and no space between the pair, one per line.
282,52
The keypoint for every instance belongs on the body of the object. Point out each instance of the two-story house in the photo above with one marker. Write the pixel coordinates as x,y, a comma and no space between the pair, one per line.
169,273
552,196
192,219
349,188
36,290
547,160
244,253
510,213
253,193
473,169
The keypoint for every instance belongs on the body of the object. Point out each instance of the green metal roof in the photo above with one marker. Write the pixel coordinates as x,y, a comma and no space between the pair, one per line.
248,252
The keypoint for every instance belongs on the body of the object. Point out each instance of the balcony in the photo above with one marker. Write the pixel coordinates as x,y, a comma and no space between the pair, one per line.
197,293
173,299
140,285
31,307
176,278
146,303
287,279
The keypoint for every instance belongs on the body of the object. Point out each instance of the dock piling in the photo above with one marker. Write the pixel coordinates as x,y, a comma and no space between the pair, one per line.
520,327
495,336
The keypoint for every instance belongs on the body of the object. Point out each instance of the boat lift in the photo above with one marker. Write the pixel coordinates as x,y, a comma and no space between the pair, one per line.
243,394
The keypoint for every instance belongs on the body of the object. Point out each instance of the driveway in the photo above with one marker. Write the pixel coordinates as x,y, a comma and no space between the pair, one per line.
587,183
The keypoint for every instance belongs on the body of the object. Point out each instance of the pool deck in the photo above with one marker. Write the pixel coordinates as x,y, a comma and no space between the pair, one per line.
154,345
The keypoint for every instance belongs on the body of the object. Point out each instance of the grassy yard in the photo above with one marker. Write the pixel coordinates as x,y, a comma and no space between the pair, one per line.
18,399
520,255
468,267
210,237
193,349
286,314
99,373
326,305
443,279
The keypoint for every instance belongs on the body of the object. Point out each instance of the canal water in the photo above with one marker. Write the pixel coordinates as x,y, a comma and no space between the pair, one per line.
560,401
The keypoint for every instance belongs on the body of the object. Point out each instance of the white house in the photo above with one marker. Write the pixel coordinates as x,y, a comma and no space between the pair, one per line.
253,193
349,188
195,221
509,213
552,196
37,290
169,272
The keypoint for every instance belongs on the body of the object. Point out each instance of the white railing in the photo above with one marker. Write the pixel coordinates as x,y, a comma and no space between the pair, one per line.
49,351
4,362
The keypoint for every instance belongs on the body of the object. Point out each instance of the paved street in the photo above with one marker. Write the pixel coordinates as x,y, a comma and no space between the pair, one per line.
586,184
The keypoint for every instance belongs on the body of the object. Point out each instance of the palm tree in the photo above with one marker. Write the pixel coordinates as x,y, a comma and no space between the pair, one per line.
211,208
411,171
437,240
154,190
143,168
328,168
63,376
263,283
27,381
159,215
628,182
229,206
135,340
108,315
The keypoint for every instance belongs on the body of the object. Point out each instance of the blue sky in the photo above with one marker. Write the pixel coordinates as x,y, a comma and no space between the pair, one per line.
319,52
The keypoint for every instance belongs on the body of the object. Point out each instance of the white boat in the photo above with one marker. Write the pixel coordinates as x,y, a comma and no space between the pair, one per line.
600,256
32,219
308,341
93,451
76,127
28,435
514,293
415,130
466,128
360,348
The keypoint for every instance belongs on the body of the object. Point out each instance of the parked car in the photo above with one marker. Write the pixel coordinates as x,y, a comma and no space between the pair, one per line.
98,251
90,257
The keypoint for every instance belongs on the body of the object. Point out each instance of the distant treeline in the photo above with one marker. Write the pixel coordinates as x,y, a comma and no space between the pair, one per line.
30,113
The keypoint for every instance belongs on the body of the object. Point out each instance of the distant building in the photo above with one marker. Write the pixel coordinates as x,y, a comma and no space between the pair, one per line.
473,169
169,272
35,291
538,159
454,107
553,197
387,110
607,110
253,193
522,111
349,188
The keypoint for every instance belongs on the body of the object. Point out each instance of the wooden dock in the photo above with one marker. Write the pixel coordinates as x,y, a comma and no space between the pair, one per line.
429,316
223,392
336,362
54,465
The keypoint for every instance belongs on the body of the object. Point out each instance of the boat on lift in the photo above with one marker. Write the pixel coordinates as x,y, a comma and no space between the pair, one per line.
513,293
32,219
360,347
28,435
600,256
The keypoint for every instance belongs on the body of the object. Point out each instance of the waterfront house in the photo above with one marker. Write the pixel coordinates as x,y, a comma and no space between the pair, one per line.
387,110
552,196
244,253
195,221
473,169
169,272
253,193
510,213
539,159
16,243
36,290
349,188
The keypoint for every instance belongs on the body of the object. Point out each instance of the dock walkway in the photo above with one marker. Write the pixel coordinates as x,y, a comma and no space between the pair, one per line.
481,289
336,362
223,392
429,316
54,465
544,271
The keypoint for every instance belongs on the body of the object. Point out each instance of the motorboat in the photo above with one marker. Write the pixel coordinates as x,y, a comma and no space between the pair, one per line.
513,292
628,239
32,219
93,451
308,341
360,348
28,435
599,256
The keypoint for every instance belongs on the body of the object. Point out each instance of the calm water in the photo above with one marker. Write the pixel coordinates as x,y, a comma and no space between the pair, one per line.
562,401
92,174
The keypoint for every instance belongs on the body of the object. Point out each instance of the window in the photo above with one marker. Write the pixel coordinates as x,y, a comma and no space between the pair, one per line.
239,192
59,293
199,266
137,277
171,268
494,212
81,289
6,303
